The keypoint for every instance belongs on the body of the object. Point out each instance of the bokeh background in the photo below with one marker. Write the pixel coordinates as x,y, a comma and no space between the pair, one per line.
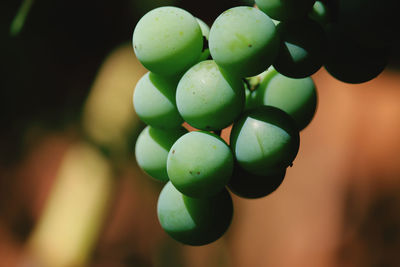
72,195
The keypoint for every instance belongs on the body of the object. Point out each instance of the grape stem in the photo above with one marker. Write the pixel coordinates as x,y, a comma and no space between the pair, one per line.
252,83
19,20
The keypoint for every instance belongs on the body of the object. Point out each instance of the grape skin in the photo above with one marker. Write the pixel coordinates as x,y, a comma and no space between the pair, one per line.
243,41
205,30
167,40
249,98
297,97
264,139
352,62
199,164
194,221
151,150
320,13
372,23
302,48
154,101
208,99
247,185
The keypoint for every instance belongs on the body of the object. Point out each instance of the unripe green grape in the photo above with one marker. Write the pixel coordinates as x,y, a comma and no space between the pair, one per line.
207,99
167,40
249,98
320,13
243,41
205,30
154,101
199,164
248,185
194,221
352,62
283,10
151,150
276,22
302,48
297,97
372,23
264,139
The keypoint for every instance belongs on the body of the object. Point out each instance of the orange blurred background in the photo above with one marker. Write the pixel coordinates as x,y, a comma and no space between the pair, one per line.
71,193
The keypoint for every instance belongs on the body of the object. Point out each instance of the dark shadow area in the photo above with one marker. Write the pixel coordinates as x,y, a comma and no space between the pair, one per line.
247,185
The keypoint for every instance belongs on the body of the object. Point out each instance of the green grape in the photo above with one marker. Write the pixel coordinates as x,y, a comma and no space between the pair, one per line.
351,62
167,40
276,22
243,41
154,101
320,13
199,164
247,185
194,221
297,97
249,98
302,47
208,99
372,23
264,139
285,9
151,150
205,30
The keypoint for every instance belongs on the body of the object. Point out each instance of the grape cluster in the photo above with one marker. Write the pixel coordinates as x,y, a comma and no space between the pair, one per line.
250,70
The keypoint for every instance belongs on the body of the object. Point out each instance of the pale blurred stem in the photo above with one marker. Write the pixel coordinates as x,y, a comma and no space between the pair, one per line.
252,83
19,20
76,209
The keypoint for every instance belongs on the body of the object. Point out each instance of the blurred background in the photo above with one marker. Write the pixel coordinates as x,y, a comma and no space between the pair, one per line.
71,193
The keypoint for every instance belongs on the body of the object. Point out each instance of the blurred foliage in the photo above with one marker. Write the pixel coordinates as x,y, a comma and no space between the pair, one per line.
49,66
